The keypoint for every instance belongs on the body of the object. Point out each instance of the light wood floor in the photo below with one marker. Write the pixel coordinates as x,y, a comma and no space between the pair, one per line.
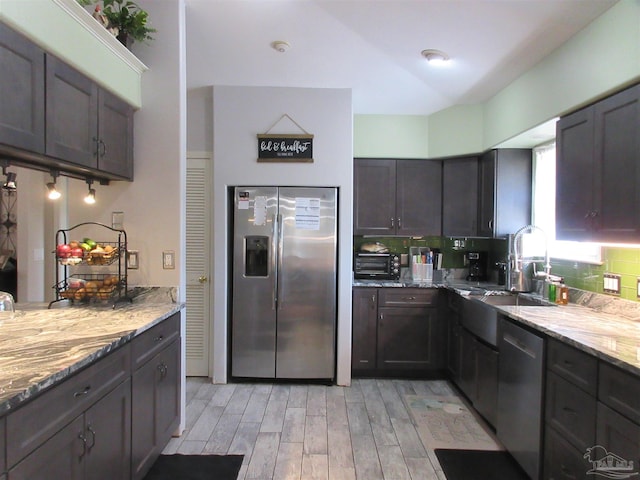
311,432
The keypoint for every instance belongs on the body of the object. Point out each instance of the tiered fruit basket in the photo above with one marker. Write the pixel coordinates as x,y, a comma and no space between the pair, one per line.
91,270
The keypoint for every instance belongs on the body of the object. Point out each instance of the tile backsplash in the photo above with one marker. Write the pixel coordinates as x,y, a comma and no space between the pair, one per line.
583,276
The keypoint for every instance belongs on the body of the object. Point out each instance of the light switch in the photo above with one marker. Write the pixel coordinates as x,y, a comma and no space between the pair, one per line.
168,259
612,283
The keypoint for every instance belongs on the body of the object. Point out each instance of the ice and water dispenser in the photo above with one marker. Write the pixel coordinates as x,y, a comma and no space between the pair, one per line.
256,255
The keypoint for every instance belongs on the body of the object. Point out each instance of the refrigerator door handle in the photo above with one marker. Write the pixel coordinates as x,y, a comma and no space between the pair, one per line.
280,299
274,261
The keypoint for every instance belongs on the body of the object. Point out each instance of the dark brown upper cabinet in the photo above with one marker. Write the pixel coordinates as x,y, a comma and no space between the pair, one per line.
97,133
598,171
397,197
21,92
54,117
504,201
460,197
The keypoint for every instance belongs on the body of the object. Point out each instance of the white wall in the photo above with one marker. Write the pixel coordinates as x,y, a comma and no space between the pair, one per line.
239,114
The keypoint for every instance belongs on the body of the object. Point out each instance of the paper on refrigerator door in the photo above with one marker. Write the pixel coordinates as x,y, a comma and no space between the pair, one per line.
260,211
307,213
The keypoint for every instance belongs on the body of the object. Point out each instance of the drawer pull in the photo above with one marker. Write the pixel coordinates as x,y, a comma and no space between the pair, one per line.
568,410
83,392
568,363
159,338
408,298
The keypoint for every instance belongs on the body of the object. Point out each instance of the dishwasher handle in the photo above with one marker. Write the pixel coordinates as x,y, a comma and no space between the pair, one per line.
519,344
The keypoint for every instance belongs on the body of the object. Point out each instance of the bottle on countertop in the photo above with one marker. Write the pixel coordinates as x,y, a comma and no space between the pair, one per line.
562,294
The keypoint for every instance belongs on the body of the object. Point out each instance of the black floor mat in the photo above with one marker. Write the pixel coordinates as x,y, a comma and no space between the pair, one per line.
479,464
195,467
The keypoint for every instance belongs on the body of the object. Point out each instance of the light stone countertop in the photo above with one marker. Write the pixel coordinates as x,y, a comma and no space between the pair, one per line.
602,325
41,347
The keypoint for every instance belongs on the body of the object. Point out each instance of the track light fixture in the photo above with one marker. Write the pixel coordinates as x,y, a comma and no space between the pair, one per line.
53,193
90,198
10,181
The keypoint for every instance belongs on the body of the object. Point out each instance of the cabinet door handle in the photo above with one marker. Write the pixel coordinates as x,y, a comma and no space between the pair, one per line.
569,411
392,224
163,369
490,224
373,301
93,437
84,445
202,279
102,148
96,152
83,392
399,223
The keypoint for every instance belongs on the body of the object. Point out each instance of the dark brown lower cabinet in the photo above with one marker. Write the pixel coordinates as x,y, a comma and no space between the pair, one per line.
156,404
486,401
618,435
96,445
562,461
478,377
405,338
104,422
364,333
397,332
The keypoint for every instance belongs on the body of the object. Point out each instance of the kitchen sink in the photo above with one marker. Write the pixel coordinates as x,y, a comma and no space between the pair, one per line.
514,299
481,318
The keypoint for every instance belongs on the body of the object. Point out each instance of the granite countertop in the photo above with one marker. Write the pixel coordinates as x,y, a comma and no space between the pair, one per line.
602,325
41,347
613,338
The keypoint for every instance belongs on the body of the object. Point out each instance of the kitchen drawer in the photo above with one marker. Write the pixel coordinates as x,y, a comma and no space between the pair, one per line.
578,367
37,421
408,297
619,435
571,411
562,461
620,390
146,345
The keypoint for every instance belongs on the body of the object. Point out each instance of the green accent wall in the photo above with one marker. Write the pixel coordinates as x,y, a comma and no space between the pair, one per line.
622,261
65,29
390,136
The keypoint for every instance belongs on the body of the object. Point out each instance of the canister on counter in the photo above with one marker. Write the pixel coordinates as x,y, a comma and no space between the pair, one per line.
552,292
562,294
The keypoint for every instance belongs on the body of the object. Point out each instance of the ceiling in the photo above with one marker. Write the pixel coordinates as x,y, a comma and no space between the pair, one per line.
373,46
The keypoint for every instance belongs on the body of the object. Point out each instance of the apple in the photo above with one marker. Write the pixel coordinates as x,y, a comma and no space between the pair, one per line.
77,252
63,250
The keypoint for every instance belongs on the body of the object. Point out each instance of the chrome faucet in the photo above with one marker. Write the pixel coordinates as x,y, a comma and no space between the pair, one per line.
519,273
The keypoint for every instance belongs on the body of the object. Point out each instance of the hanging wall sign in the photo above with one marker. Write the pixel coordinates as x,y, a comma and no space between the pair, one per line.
285,147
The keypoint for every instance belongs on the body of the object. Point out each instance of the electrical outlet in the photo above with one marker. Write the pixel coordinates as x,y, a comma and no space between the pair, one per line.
168,259
611,283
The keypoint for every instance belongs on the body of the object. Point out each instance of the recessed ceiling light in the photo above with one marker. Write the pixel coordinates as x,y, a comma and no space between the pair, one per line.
280,46
435,57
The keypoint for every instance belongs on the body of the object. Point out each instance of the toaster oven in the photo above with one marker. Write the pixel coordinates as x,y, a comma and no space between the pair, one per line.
379,266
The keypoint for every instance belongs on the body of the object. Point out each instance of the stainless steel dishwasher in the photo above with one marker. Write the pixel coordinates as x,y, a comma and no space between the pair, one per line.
520,395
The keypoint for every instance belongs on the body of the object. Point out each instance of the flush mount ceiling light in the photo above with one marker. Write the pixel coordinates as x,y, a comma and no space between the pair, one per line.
90,198
53,193
435,57
280,46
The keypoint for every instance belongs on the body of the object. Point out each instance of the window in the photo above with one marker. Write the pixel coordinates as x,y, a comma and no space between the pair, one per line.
544,209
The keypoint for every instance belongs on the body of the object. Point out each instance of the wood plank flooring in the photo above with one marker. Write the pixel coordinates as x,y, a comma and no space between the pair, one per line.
309,432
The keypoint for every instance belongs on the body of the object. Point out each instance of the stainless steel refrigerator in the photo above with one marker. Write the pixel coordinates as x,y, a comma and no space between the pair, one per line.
283,320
